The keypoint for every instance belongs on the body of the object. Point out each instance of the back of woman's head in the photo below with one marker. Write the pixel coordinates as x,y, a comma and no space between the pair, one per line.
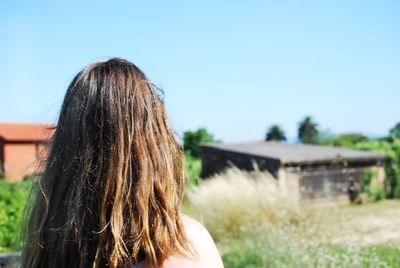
113,182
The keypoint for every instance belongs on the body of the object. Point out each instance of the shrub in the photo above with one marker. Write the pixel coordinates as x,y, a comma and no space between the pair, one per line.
193,167
392,165
13,196
375,193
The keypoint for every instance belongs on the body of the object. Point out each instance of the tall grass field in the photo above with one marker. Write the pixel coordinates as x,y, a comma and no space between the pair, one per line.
254,225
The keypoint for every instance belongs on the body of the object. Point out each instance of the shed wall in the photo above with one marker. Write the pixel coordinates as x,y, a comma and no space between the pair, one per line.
310,181
329,182
215,161
289,183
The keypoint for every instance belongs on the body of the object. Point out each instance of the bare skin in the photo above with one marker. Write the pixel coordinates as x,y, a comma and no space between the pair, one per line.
207,254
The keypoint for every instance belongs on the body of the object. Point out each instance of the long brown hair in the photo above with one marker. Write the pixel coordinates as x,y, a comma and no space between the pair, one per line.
114,178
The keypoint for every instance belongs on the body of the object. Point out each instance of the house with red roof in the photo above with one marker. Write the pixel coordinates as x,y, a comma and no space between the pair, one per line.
22,147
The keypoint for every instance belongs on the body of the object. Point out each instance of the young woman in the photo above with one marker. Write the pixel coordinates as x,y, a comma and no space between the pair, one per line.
113,183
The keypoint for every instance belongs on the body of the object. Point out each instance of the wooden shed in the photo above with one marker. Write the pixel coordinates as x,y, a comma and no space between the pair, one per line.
303,171
21,147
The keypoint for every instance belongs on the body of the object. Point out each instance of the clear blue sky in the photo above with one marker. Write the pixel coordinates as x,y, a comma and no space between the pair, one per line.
234,67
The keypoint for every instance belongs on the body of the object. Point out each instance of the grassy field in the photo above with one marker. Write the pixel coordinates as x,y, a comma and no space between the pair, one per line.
370,224
254,226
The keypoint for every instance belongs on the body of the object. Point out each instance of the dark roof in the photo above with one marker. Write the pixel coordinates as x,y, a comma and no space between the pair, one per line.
26,132
297,153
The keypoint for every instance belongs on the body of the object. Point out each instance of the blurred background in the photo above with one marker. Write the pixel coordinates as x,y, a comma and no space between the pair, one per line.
318,79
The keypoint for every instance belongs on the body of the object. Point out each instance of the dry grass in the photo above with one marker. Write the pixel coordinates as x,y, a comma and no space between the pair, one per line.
255,226
236,201
370,224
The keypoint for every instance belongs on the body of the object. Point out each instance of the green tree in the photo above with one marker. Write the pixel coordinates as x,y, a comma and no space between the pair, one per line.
308,131
192,140
392,163
326,137
275,133
395,131
347,140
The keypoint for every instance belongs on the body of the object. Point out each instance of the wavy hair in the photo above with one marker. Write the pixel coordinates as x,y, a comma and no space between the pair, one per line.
113,181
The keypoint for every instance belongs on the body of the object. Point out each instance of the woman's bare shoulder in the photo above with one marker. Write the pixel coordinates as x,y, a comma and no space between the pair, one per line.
207,254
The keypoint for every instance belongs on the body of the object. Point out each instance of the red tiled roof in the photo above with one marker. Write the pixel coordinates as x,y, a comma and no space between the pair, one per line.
26,131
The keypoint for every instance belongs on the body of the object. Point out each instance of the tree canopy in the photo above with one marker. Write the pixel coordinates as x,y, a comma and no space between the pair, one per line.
308,131
395,131
192,140
275,133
